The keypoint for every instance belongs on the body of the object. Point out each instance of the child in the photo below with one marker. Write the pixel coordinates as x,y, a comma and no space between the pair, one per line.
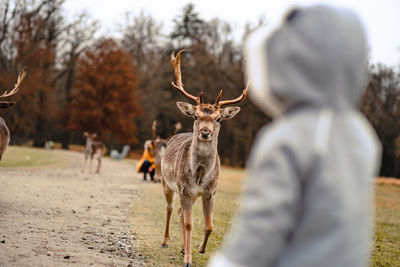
308,197
146,163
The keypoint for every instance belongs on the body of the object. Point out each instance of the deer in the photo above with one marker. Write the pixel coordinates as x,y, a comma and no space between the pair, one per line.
4,131
159,146
92,148
190,165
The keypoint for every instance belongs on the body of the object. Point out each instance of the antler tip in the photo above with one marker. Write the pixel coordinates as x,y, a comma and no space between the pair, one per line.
172,57
20,78
218,97
200,97
178,56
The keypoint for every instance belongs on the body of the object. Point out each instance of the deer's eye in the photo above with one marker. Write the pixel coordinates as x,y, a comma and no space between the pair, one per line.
196,117
218,119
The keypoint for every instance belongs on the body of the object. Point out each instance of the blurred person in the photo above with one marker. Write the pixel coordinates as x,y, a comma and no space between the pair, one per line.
308,199
146,163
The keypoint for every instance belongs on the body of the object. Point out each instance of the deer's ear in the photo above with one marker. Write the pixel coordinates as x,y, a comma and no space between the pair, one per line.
4,104
229,112
85,134
94,135
186,108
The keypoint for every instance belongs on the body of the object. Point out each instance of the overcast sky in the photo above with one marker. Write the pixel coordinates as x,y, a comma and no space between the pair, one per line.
381,18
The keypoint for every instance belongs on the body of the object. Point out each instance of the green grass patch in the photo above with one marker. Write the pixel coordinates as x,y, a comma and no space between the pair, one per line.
18,156
387,233
148,218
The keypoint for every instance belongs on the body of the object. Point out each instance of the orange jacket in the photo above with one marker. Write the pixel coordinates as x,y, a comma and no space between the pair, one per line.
146,155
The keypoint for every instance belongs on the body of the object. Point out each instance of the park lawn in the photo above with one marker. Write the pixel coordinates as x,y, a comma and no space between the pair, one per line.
148,213
387,232
21,157
148,220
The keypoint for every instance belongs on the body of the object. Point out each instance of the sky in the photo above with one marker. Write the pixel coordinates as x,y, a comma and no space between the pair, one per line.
381,18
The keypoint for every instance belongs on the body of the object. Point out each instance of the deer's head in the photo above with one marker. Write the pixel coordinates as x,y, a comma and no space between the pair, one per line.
7,104
207,117
89,137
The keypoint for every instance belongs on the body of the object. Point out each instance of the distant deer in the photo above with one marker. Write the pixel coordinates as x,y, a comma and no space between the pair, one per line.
159,147
190,165
4,132
92,148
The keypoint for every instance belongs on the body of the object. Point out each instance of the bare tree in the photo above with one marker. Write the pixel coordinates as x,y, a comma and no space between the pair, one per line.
381,105
76,39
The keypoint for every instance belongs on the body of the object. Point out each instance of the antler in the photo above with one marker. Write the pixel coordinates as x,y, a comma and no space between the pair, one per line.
236,100
176,63
21,77
178,126
154,129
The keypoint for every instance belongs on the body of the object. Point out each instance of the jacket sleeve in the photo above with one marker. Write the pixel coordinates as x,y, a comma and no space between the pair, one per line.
268,209
139,164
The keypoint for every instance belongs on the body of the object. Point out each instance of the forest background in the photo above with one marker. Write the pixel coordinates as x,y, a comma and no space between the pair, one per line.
116,87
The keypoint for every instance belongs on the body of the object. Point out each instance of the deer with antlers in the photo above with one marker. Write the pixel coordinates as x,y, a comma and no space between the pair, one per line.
4,132
190,165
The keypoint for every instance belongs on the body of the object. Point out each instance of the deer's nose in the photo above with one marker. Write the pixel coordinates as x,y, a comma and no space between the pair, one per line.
205,132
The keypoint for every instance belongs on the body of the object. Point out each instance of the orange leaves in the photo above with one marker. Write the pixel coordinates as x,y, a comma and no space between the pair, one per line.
103,97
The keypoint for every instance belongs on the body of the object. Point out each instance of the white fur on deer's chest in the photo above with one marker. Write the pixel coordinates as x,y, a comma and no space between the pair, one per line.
196,190
200,179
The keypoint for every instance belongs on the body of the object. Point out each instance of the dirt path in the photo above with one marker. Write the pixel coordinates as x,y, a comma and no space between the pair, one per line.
59,216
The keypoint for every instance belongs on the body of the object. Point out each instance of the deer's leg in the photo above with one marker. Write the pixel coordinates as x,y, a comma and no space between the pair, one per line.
98,165
169,198
186,204
99,154
182,227
208,207
157,175
84,163
91,163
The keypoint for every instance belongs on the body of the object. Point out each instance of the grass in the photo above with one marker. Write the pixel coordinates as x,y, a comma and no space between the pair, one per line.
387,233
148,214
17,157
148,218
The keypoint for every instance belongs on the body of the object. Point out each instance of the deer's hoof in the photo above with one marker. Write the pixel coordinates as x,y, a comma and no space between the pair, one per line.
187,265
183,251
201,250
164,245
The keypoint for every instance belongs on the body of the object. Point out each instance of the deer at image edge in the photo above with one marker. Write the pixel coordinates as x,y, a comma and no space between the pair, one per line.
4,132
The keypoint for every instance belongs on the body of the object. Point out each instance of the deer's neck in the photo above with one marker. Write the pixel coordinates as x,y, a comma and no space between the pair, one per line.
88,148
203,154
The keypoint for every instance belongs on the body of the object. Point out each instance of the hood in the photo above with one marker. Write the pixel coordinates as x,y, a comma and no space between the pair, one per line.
317,57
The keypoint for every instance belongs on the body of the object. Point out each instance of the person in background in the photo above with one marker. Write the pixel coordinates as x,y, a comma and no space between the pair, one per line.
146,163
308,199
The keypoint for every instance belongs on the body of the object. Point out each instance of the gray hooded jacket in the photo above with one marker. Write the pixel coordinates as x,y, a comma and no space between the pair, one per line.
308,200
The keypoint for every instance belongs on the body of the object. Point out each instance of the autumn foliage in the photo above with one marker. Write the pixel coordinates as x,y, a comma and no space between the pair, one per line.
34,47
103,98
117,87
